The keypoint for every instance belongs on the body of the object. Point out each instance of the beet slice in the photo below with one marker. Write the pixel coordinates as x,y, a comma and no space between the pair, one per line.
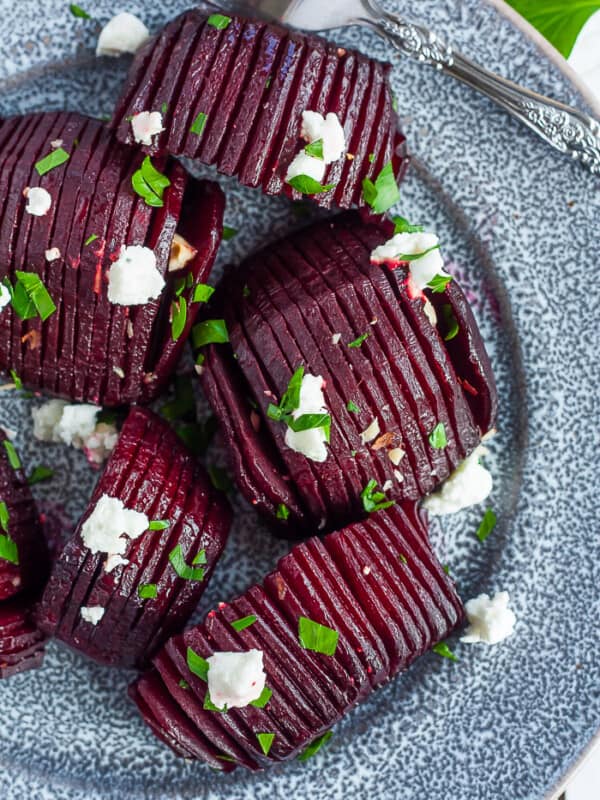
21,643
254,80
152,472
89,349
380,632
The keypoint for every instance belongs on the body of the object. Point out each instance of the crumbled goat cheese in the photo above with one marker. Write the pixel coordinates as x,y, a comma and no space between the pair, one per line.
423,269
303,164
490,620
133,279
5,296
311,443
52,254
469,484
429,312
109,522
145,125
182,253
395,455
124,33
100,443
235,679
329,129
75,425
371,432
336,338
92,614
38,201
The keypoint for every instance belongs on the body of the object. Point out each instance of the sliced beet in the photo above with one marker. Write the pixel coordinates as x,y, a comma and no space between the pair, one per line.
380,632
21,643
152,472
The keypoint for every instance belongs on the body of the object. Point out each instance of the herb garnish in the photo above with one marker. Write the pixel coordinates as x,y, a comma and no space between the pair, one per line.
39,474
199,124
442,649
290,401
4,516
352,407
243,622
265,740
30,297
8,549
197,665
182,569
307,185
11,454
90,239
357,342
210,331
315,149
439,282
147,591
200,558
416,256
282,511
210,706
228,232
374,500
159,525
16,380
314,747
450,322
263,699
487,525
202,293
150,184
51,161
382,194
437,437
402,225
317,637
183,684
78,12
178,317
219,21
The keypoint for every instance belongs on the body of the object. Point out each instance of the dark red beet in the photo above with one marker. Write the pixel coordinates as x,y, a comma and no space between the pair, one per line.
377,583
21,643
152,472
90,349
251,82
301,302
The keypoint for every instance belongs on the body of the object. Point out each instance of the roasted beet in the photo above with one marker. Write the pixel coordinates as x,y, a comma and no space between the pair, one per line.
381,592
90,348
390,379
119,607
21,643
234,96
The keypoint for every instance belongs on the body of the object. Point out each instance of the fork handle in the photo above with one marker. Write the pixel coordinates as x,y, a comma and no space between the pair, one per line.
566,129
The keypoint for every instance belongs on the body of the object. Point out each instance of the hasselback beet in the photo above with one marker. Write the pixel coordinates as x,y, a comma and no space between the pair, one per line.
118,602
21,642
73,329
233,94
383,598
405,403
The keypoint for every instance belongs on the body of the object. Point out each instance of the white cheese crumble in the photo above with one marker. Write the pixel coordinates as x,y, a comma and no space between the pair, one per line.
371,432
124,33
235,679
38,201
52,254
303,164
423,269
109,522
469,484
316,127
133,279
335,339
490,619
92,614
311,443
145,125
395,455
4,296
75,425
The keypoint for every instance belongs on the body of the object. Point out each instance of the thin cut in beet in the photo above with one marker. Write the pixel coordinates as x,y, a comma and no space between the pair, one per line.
233,95
61,333
119,604
383,598
404,406
21,642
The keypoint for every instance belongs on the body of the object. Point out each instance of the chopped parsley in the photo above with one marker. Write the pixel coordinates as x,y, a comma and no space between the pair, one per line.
78,12
314,747
183,684
450,322
4,516
243,622
200,558
352,407
199,124
90,239
487,525
210,331
11,454
357,342
437,437
182,569
290,401
315,149
265,740
228,233
307,185
403,558
416,256
442,649
16,380
282,511
383,193
8,549
178,317
263,699
439,282
219,21
198,666
150,184
51,161
210,706
316,637
39,474
164,108
202,293
159,525
147,591
374,500
402,225
30,297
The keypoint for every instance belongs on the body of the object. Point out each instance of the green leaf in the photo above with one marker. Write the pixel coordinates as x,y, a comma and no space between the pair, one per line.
150,184
16,380
282,512
8,549
30,291
199,124
39,474
200,558
314,747
11,454
382,194
90,239
210,706
403,558
442,649
202,293
290,399
402,225
182,569
219,21
52,160
210,331
352,407
487,525
78,12
306,422
243,622
416,256
198,666
183,684
4,516
147,591
315,149
178,317
159,525
265,740
219,478
164,108
228,233
439,282
559,21
374,500
437,437
450,322
316,637
359,341
307,185
264,698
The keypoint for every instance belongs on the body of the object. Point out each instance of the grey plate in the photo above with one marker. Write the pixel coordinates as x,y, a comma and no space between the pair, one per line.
520,227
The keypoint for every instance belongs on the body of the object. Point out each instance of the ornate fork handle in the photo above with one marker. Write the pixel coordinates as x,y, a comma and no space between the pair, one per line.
565,128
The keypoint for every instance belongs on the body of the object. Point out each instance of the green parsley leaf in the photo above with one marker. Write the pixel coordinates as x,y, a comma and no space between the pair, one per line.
282,512
90,239
558,21
374,500
382,194
487,525
16,380
198,666
182,569
402,225
183,684
4,516
30,297
219,478
317,637
352,407
178,317
264,698
199,124
315,149
450,322
437,437
147,591
39,474
438,283
164,108
150,184
200,558
371,158
290,400
11,454
210,706
159,525
228,233
51,161
416,256
265,740
8,549
243,622
78,12
446,568
307,185
219,21
210,331
306,422
442,649
359,341
224,757
403,558
314,747
202,293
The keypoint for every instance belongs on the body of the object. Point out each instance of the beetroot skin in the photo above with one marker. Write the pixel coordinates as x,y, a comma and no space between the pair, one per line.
146,599
21,643
89,349
377,583
315,300
234,98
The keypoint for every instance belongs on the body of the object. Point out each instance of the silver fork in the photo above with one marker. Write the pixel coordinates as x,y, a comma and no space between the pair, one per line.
567,129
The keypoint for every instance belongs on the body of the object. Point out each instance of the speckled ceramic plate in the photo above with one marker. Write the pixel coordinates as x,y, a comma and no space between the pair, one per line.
520,228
